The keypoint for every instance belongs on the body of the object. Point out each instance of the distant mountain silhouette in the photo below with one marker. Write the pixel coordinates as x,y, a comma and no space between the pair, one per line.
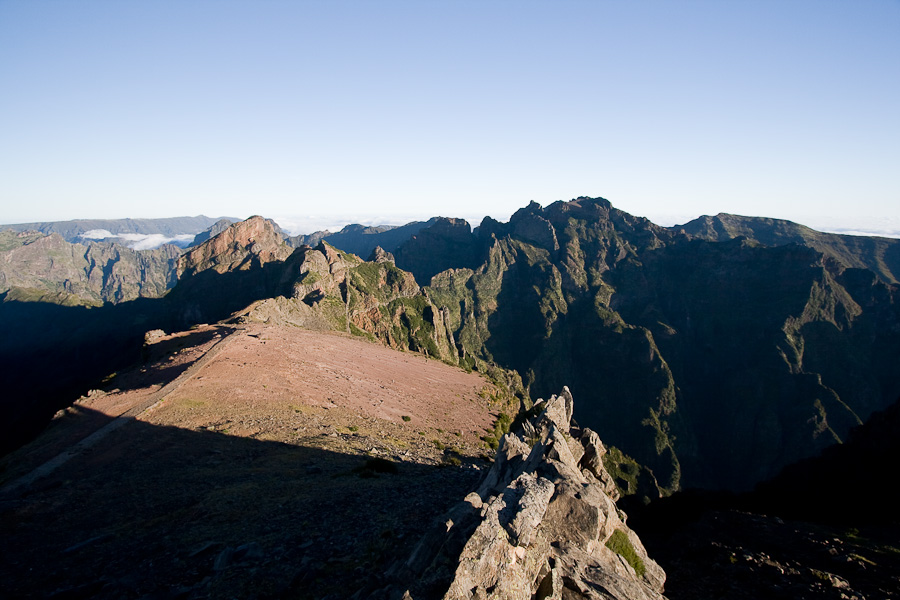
72,231
879,255
362,239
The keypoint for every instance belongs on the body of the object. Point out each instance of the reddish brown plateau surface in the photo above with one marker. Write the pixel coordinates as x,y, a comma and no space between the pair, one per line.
241,470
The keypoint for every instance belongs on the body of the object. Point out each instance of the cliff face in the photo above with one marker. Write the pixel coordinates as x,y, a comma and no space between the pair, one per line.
539,304
239,247
542,524
714,364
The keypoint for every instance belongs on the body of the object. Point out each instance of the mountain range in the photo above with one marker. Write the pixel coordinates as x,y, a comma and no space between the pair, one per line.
722,355
711,354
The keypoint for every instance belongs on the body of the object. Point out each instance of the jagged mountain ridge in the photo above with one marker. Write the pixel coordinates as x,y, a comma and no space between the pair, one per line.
583,293
317,288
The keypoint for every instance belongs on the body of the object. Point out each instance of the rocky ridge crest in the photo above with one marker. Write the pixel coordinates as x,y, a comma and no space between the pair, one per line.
542,524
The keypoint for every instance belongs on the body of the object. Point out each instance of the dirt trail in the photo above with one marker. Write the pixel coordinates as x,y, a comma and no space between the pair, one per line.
139,406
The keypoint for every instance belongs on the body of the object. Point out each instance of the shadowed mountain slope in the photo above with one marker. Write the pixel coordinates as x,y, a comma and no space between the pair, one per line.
714,364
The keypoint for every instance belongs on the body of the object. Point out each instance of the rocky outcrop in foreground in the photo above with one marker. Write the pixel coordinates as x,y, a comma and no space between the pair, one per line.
543,524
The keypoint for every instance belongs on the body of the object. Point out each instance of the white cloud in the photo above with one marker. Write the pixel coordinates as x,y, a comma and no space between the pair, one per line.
871,226
140,241
97,234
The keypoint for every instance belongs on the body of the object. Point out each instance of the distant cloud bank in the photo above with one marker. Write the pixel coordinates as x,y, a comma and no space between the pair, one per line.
871,226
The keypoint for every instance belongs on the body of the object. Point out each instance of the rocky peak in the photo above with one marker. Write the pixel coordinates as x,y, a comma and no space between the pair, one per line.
380,255
214,230
533,208
332,255
242,244
321,271
543,524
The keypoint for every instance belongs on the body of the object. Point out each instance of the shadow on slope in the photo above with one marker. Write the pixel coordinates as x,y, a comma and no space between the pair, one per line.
51,354
843,536
169,512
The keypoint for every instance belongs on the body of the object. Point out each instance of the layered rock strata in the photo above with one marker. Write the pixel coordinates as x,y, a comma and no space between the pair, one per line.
543,524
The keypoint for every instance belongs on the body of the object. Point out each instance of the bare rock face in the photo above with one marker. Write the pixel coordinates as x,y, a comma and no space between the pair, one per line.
543,524
528,224
241,246
380,255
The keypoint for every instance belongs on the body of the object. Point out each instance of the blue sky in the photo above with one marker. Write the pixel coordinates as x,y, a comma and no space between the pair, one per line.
387,111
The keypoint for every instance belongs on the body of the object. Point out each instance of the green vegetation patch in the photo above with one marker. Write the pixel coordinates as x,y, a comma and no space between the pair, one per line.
623,469
619,543
501,428
361,333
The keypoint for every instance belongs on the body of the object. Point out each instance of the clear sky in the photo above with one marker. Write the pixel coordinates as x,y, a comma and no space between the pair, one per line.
367,111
